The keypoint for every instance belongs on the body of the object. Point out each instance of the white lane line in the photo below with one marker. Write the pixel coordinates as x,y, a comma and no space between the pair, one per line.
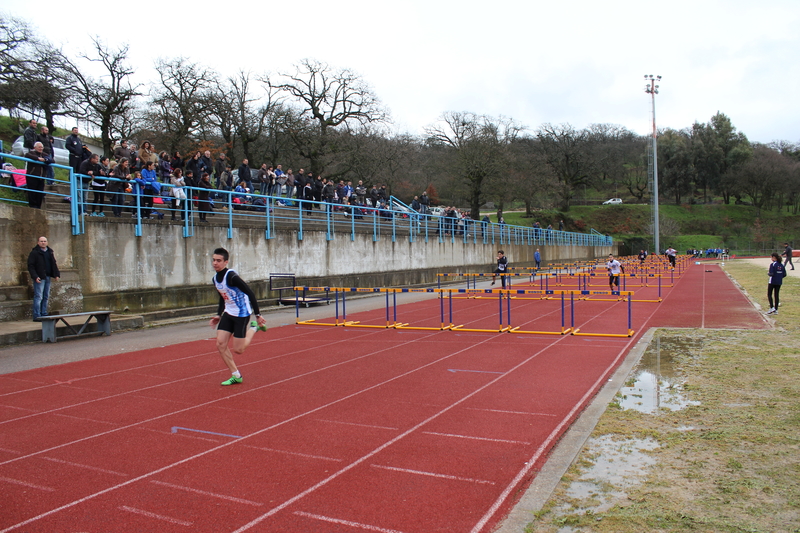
148,514
434,474
358,425
306,455
475,438
560,427
190,378
510,412
15,452
135,368
230,396
26,484
205,493
19,408
87,467
350,523
236,441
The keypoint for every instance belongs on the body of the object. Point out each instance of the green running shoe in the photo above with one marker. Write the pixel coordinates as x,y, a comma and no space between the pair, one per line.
232,381
254,325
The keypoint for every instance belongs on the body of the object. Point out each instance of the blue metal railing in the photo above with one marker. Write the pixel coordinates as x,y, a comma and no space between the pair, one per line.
274,212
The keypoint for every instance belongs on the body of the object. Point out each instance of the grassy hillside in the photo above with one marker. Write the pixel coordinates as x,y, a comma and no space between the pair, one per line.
738,227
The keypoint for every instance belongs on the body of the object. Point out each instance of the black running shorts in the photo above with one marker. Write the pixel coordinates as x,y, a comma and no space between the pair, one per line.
234,324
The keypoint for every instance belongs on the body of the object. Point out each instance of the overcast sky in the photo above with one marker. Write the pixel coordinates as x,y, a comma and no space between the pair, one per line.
579,62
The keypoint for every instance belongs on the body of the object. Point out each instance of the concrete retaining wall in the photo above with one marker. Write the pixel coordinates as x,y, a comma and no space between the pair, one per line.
161,270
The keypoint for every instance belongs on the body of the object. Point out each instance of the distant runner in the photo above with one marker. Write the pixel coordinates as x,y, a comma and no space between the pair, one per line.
615,268
502,265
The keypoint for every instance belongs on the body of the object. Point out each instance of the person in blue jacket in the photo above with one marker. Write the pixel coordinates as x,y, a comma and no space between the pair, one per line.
776,274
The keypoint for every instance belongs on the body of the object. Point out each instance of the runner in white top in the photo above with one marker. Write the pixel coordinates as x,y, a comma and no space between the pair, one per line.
236,303
614,270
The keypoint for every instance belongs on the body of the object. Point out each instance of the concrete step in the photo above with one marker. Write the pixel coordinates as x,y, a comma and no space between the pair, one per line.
15,293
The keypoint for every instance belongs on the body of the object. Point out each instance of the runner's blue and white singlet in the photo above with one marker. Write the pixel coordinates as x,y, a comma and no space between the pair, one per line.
236,302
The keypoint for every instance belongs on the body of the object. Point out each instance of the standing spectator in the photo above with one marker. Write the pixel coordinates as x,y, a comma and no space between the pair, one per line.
299,183
787,252
118,185
318,187
777,272
374,195
177,161
263,179
502,266
42,267
361,193
538,258
98,186
164,167
149,187
226,179
146,154
307,196
135,161
614,268
37,171
244,175
122,151
74,146
560,225
289,184
415,205
178,193
219,168
88,170
193,165
47,141
485,221
328,191
204,189
206,165
236,303
29,135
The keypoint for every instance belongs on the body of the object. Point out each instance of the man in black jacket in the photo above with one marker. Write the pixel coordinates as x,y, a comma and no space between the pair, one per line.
37,171
42,267
787,252
74,146
29,136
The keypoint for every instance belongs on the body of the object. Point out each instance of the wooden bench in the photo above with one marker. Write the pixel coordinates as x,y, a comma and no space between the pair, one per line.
50,322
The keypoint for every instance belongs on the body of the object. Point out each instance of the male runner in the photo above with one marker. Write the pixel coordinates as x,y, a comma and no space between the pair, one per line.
502,264
787,252
236,303
614,270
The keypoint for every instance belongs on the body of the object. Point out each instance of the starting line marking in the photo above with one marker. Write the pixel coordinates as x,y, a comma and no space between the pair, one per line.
346,522
148,514
478,371
24,484
358,425
205,493
96,469
432,474
176,428
475,438
509,412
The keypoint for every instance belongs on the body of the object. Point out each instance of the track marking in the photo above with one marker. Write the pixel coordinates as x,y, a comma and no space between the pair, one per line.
476,371
475,438
87,467
433,474
25,484
148,514
510,412
365,527
358,425
306,455
82,419
215,441
176,428
206,493
11,451
20,409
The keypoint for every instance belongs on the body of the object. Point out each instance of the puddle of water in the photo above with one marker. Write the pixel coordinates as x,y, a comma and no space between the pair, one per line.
616,466
657,382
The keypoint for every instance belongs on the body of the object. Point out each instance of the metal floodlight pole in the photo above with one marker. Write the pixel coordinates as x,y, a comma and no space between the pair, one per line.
652,89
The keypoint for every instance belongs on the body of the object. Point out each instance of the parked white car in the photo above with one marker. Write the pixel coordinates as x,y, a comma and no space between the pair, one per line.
61,154
613,201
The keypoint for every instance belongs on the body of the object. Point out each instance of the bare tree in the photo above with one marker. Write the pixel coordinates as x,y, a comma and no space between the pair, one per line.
182,101
329,100
478,145
101,100
568,153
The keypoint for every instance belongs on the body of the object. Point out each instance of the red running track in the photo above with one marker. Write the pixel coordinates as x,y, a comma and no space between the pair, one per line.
334,429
